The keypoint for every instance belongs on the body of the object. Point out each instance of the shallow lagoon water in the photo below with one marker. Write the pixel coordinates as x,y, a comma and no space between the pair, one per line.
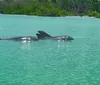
48,62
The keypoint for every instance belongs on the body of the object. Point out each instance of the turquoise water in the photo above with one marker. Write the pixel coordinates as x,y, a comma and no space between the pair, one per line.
50,62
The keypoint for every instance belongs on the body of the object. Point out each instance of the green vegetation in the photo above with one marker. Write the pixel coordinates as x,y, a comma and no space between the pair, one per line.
94,13
51,7
37,8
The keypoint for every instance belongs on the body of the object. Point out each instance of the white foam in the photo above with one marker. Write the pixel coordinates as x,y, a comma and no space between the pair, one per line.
24,38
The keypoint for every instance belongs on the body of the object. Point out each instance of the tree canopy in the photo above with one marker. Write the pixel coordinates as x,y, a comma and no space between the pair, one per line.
51,7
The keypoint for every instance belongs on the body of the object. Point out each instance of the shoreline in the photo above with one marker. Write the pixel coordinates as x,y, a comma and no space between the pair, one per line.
47,16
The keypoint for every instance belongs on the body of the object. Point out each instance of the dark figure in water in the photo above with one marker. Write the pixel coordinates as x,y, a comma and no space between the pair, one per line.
22,38
41,35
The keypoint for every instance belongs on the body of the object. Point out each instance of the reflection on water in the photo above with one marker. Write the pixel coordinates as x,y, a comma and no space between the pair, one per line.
25,45
62,43
45,43
50,61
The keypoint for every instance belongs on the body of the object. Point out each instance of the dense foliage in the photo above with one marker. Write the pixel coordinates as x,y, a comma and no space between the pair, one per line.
37,8
51,7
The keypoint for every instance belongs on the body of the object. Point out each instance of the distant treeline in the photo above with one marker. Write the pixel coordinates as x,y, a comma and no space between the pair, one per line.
51,7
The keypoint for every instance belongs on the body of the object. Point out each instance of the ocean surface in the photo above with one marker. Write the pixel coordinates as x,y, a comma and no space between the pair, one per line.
48,62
